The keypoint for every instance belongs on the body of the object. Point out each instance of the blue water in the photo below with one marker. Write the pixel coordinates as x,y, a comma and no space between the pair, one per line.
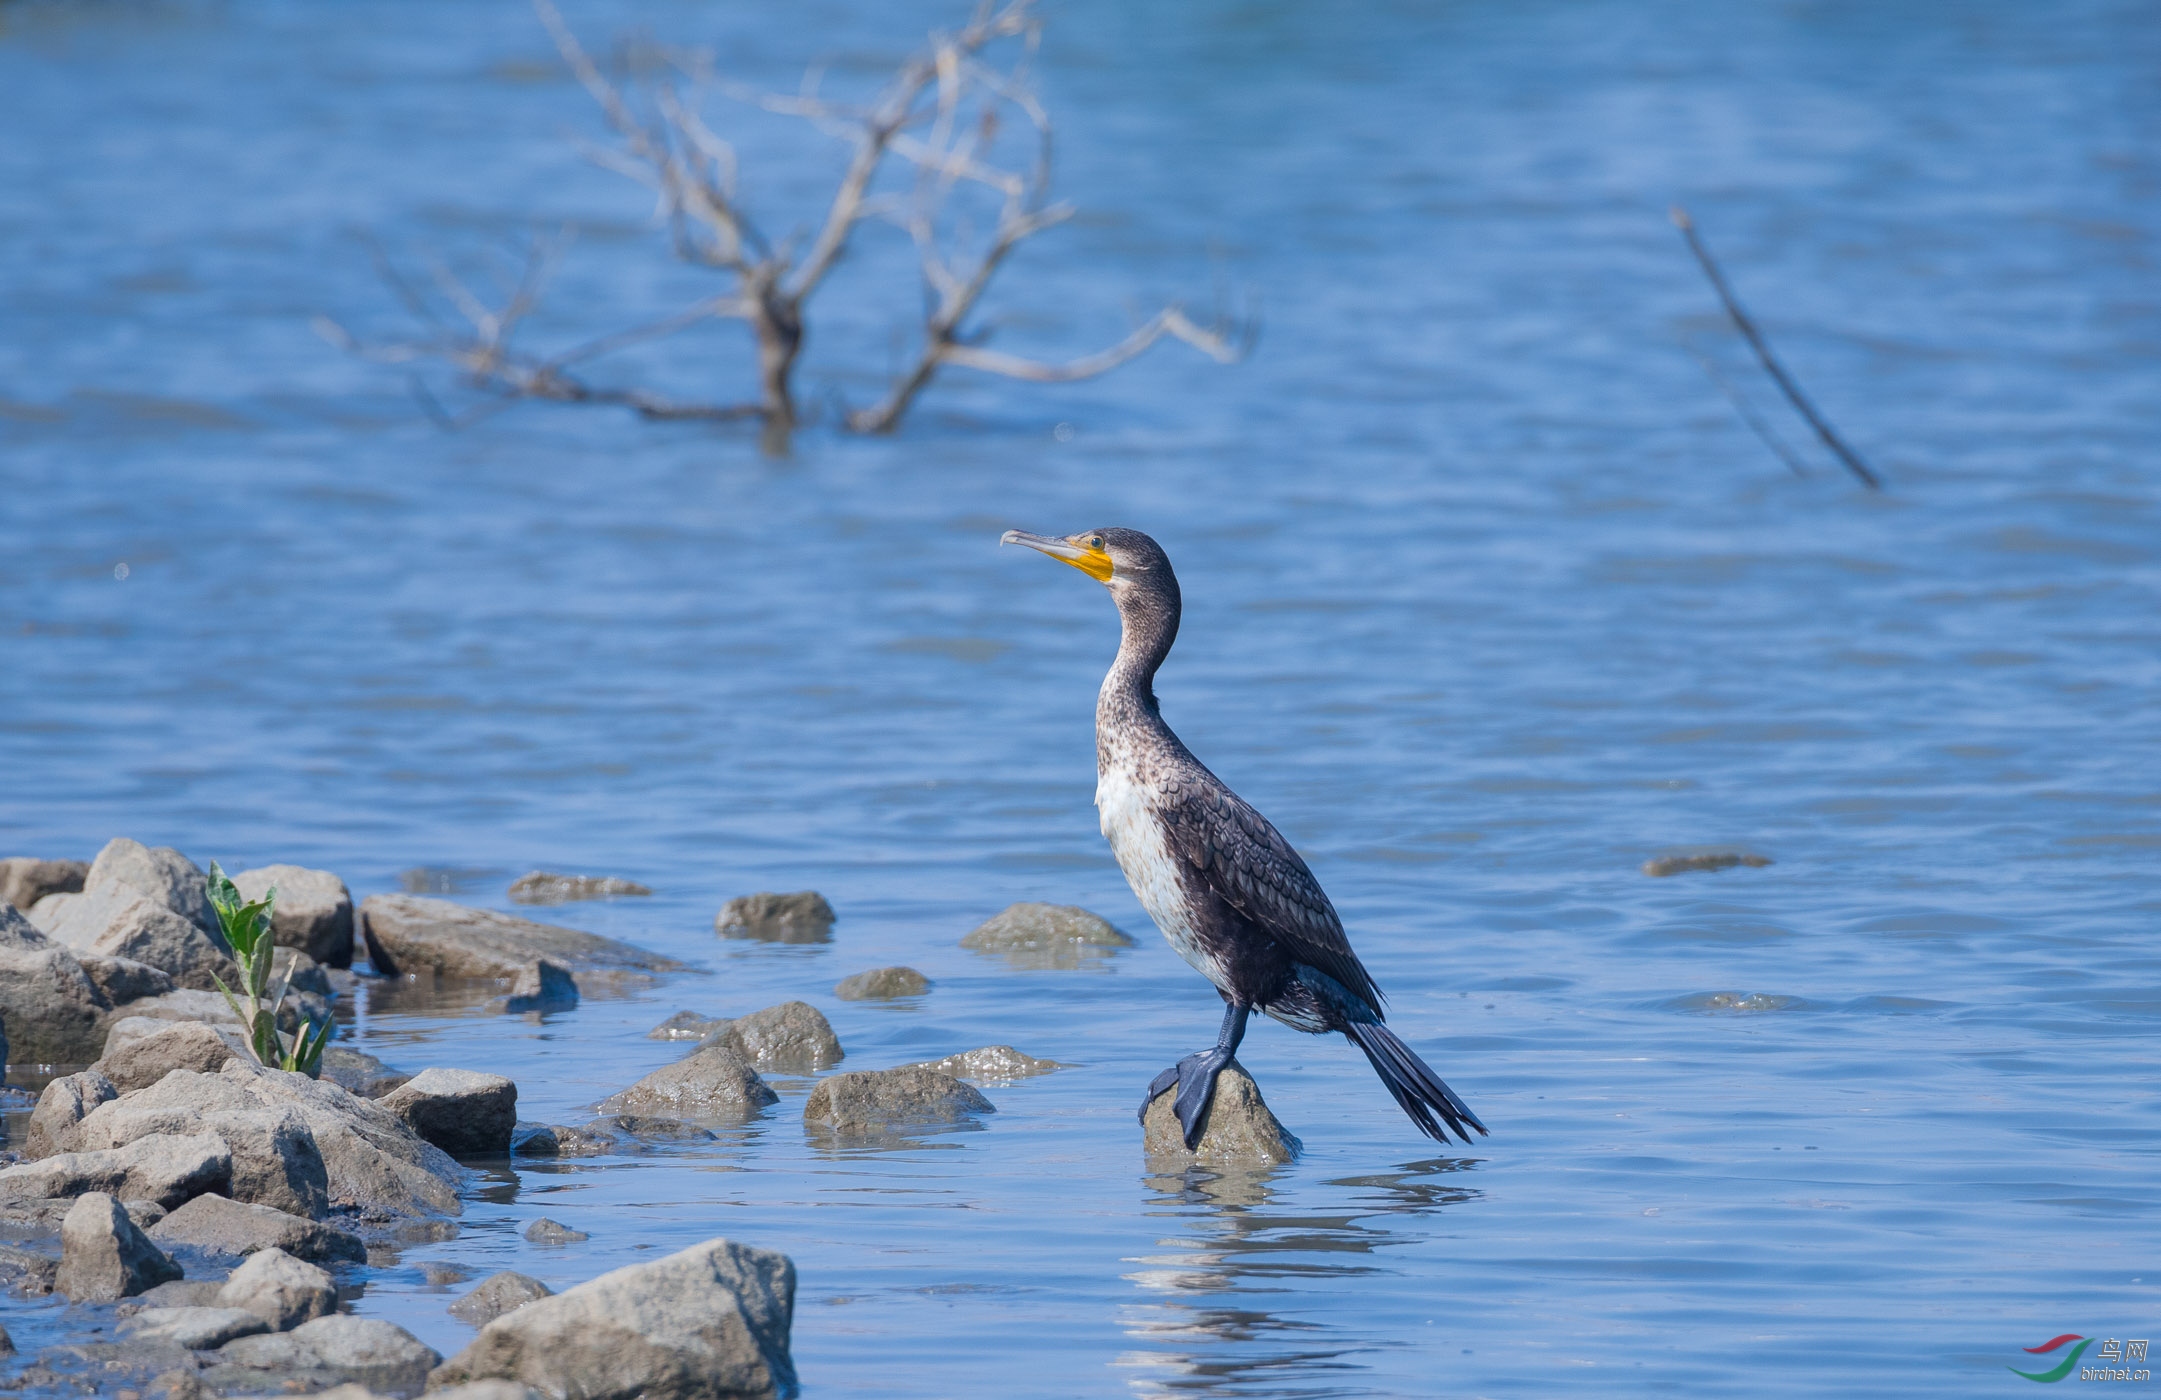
1490,596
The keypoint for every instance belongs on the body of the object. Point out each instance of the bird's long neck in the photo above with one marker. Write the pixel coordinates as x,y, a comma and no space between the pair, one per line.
1128,698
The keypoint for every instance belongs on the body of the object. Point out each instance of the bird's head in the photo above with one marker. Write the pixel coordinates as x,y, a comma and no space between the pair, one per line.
1127,562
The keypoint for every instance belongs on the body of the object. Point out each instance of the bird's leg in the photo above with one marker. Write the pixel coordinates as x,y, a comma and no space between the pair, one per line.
1195,1075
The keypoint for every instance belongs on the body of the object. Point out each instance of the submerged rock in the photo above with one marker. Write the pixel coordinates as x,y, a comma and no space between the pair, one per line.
52,1011
891,1101
140,1050
803,917
279,1289
713,1320
555,1140
882,984
1045,936
542,986
714,1082
649,1129
686,1025
166,1168
104,1256
541,887
408,934
498,1295
793,1036
464,1112
546,1231
1684,861
1238,1130
313,913
27,1272
238,1228
24,880
990,1063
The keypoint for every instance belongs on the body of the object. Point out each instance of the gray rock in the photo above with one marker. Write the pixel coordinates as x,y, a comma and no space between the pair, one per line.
314,912
124,979
64,1104
540,887
714,1082
238,1228
359,1073
1693,858
307,974
546,1231
24,880
1238,1130
407,934
53,1012
275,1159
7,1343
103,1256
713,1320
377,1354
141,1050
183,1293
793,1036
117,920
1043,936
882,984
498,1294
649,1129
158,873
196,1328
542,986
555,1140
26,1271
992,1064
372,1161
889,1101
165,1168
686,1025
279,1289
804,917
464,1112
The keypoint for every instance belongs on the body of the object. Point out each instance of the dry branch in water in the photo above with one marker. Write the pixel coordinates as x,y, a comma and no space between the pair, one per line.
942,125
1771,366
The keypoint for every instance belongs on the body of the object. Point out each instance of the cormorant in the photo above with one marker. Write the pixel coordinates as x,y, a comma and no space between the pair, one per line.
1227,890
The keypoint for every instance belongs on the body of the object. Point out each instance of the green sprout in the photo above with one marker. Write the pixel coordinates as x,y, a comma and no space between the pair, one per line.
247,929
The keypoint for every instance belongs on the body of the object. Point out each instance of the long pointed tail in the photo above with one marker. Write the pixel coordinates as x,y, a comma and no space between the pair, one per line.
1415,1086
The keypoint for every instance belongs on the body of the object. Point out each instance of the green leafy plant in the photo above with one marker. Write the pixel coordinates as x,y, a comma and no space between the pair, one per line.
247,929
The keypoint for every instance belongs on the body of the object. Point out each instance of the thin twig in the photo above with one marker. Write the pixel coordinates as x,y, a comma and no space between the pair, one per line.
1748,412
1771,366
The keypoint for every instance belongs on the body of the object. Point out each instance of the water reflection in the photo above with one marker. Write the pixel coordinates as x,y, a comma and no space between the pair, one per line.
1201,1330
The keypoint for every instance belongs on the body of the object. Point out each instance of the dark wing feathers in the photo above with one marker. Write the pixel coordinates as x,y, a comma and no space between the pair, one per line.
1250,867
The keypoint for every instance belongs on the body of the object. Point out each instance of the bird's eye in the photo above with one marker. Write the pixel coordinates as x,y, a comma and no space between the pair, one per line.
1095,541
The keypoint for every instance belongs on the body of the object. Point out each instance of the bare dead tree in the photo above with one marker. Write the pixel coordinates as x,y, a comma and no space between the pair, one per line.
941,123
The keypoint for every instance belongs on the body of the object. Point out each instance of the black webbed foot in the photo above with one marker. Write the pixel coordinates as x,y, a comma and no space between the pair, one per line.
1195,1076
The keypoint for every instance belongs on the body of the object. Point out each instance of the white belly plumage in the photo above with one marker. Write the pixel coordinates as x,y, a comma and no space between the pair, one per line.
1136,838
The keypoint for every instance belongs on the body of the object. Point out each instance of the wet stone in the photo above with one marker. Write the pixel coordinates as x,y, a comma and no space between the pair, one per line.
542,986
714,1082
1046,936
650,1129
498,1294
359,1073
1688,861
1238,1130
407,934
803,917
104,1256
542,887
882,984
462,1111
992,1064
891,1101
556,1140
686,1025
26,1271
793,1036
546,1231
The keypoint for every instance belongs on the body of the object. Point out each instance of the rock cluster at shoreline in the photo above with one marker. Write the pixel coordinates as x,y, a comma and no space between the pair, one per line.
216,1207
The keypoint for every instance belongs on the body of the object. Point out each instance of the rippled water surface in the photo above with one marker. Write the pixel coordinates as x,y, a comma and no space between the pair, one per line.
1490,596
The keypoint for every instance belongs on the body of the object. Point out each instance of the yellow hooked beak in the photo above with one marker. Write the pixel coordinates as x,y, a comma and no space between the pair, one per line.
1083,552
